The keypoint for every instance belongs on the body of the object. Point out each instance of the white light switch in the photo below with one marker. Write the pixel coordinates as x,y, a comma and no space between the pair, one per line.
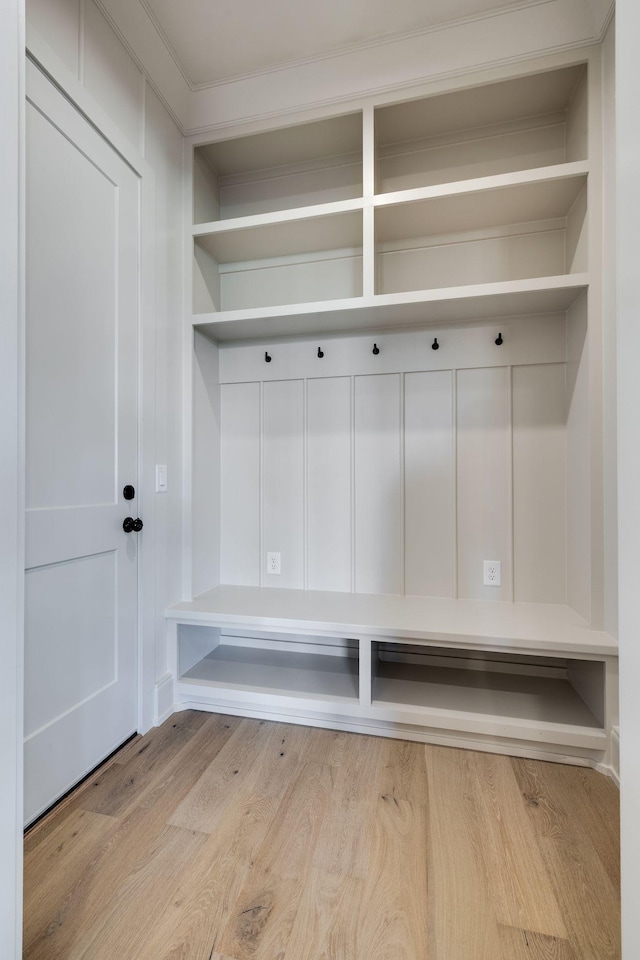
161,478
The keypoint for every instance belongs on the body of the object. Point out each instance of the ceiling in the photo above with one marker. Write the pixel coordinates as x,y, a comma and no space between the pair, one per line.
222,63
218,40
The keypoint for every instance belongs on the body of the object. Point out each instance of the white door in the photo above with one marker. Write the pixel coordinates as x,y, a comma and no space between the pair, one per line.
81,447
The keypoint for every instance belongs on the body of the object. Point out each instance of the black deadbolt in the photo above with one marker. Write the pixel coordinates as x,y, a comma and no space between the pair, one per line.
129,492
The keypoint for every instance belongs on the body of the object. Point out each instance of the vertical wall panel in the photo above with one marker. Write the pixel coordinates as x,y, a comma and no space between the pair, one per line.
57,21
205,543
283,460
240,483
428,481
111,76
578,461
539,484
484,480
329,484
379,546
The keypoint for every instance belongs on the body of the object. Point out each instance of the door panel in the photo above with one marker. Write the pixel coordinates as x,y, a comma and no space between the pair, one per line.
81,447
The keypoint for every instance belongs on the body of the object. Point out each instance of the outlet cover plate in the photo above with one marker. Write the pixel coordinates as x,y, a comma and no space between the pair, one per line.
273,563
492,573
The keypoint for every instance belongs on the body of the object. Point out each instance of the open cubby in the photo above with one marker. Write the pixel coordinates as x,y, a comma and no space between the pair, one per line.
284,262
527,689
513,232
283,668
299,166
517,124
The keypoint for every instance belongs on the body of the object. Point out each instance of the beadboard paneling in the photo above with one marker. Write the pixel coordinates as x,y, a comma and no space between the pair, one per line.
484,480
283,473
378,485
429,484
240,484
400,481
539,483
328,472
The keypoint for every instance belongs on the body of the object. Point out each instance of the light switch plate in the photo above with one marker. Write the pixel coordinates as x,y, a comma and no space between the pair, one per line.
161,478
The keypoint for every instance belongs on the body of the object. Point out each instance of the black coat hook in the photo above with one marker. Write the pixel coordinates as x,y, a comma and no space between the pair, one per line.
320,353
499,341
376,349
267,358
435,345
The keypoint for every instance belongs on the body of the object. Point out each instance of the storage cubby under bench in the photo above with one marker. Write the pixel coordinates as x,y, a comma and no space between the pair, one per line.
519,678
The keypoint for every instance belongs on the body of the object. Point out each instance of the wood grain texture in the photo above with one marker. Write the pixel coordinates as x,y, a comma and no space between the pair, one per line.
239,839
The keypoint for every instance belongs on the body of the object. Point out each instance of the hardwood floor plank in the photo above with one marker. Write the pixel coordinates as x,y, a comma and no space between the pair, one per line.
141,899
587,897
462,921
265,911
404,771
587,800
209,893
224,778
393,919
521,891
173,734
520,944
328,919
52,869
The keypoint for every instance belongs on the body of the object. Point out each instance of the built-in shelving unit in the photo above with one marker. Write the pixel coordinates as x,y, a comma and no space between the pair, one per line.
484,186
385,462
512,676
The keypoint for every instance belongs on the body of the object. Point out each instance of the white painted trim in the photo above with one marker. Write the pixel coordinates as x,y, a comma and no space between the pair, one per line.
614,768
163,699
41,54
12,297
397,731
136,32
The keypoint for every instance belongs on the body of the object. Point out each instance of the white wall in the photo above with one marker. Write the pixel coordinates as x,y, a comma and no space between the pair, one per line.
401,472
609,347
80,44
628,312
11,476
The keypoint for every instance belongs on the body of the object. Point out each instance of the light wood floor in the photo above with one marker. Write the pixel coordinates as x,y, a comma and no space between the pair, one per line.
221,838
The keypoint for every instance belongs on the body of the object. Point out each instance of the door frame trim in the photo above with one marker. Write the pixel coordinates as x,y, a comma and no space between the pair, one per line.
42,58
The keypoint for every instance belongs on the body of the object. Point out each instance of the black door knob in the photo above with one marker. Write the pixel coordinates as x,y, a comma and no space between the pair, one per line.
129,525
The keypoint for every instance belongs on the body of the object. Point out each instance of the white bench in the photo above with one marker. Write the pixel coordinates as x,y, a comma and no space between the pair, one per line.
520,678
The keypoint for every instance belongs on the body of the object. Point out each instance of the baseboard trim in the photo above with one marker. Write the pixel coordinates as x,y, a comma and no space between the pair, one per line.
164,704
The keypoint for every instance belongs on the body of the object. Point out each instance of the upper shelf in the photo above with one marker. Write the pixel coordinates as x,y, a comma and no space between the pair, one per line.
524,122
298,166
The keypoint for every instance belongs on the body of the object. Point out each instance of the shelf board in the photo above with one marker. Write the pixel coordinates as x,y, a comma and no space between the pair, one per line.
276,672
507,704
473,624
481,204
398,310
262,153
559,172
330,226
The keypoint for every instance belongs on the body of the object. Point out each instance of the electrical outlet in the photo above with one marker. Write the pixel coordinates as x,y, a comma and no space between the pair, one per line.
492,573
273,562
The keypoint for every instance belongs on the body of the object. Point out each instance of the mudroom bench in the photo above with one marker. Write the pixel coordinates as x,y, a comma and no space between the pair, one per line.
524,679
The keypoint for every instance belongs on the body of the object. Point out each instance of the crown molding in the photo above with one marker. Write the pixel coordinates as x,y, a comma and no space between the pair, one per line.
400,63
355,48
